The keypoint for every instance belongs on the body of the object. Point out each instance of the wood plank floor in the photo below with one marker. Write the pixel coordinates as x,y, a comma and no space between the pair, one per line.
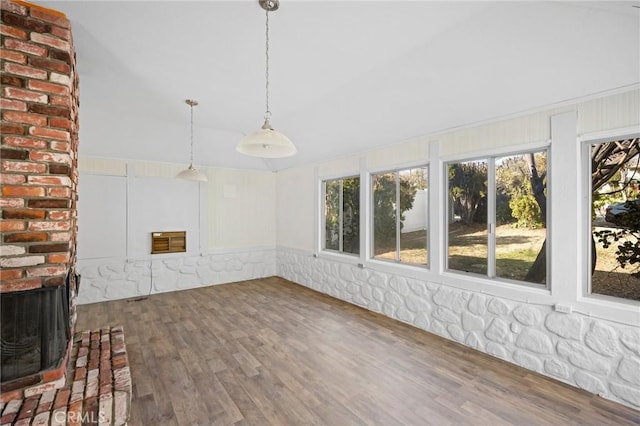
271,352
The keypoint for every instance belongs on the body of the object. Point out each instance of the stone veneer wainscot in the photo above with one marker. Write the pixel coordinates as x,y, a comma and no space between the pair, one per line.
104,280
596,355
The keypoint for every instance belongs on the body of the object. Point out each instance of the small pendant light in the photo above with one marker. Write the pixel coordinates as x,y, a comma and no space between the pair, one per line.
191,173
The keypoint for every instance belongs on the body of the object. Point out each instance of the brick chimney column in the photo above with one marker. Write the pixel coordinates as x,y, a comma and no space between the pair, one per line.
39,128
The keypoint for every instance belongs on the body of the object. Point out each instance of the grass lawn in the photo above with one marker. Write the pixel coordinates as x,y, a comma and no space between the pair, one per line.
516,250
412,249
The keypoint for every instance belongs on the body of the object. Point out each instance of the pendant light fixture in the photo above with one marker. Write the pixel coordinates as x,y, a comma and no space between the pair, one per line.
192,173
267,142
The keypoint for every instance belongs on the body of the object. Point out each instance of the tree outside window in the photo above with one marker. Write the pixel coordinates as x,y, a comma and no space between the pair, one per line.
515,212
342,215
615,218
521,217
467,217
400,215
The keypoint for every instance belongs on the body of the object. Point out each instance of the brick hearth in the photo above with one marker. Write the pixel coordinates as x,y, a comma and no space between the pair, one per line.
96,389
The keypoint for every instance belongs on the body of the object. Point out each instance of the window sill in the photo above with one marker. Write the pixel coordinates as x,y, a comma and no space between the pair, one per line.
404,269
615,309
351,259
524,293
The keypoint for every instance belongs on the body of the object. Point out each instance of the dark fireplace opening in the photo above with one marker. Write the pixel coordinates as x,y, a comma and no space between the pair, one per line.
34,330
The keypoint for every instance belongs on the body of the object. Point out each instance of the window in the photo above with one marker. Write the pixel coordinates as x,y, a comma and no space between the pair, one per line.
614,174
342,215
400,200
497,217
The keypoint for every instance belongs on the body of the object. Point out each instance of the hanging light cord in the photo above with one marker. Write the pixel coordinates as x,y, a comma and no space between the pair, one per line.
267,113
191,103
191,173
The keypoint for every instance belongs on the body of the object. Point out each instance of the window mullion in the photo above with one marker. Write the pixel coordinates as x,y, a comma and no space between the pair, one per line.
587,230
365,211
323,217
491,218
398,210
341,216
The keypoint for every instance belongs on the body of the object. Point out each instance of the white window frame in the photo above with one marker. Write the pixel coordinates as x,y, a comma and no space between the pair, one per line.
371,233
566,190
490,156
601,301
323,224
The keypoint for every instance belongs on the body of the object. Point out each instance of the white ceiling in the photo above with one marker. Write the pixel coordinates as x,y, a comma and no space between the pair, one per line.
346,76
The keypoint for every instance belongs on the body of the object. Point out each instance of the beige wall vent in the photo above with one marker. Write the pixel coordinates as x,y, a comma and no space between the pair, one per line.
168,242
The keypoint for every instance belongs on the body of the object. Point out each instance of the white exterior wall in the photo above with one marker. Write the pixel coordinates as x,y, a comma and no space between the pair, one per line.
416,218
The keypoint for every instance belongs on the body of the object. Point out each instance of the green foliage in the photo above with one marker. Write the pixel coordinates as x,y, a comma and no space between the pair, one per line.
384,204
480,215
332,214
515,179
467,187
610,164
384,212
350,214
416,178
628,237
503,210
526,211
512,177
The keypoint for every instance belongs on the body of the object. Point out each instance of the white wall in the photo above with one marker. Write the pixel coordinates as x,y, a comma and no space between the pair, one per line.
242,208
230,223
296,200
102,200
595,347
159,204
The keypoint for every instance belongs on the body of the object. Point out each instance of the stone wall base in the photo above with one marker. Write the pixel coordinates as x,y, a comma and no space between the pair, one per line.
596,355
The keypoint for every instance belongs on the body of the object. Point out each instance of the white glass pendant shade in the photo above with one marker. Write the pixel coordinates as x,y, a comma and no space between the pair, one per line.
266,143
192,174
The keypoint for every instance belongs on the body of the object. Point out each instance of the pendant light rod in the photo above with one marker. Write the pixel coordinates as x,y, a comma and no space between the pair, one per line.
267,112
191,103
268,6
191,173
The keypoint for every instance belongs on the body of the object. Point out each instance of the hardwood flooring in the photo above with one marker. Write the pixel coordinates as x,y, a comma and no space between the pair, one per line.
271,352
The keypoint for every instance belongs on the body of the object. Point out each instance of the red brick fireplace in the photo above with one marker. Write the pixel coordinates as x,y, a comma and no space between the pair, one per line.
49,374
39,128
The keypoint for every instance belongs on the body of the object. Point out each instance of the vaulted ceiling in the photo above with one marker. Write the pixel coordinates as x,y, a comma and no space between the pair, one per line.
346,76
